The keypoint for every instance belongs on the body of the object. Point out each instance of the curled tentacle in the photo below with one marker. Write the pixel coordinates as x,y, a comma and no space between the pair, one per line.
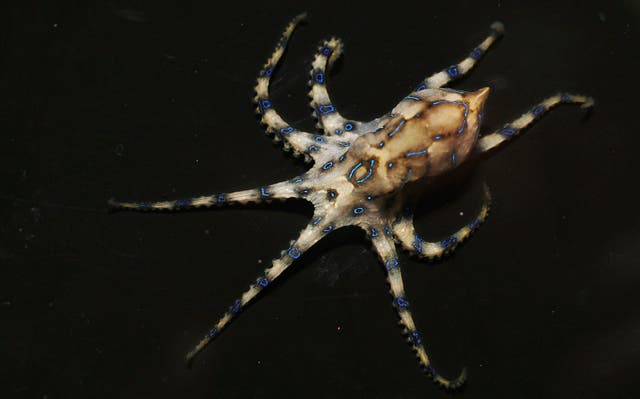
404,230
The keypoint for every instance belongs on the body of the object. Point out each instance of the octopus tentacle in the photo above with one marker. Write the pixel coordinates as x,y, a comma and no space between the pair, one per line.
325,112
456,71
404,230
385,248
308,237
279,191
301,143
510,130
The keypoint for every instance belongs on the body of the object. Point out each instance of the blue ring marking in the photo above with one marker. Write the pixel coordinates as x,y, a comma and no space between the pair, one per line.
264,104
565,98
476,53
417,244
417,340
319,139
304,191
374,232
315,222
390,165
391,263
297,180
453,71
212,332
397,128
448,241
341,158
353,170
402,302
264,193
328,228
381,144
286,130
369,172
414,153
421,87
332,194
348,126
414,98
263,282
326,51
327,165
387,230
319,77
454,158
508,131
474,224
235,308
183,203
144,205
339,132
358,211
326,109
294,253
313,148
438,137
369,197
267,72
344,144
221,198
539,110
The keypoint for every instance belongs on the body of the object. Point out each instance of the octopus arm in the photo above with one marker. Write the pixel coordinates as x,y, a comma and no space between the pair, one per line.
384,246
307,238
512,129
277,191
456,71
405,232
324,110
299,142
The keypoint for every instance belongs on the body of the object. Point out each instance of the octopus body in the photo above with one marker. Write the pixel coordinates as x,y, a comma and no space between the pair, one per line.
367,174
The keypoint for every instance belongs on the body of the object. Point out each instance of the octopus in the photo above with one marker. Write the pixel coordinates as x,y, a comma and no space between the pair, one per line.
371,174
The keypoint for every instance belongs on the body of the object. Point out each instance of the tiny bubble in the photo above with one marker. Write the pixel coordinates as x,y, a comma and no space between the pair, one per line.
197,161
259,261
207,232
461,213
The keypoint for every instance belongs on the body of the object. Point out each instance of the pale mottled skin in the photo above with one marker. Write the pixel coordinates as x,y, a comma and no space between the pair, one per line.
362,171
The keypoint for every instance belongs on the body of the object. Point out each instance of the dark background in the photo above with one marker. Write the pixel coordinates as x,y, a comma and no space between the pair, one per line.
147,100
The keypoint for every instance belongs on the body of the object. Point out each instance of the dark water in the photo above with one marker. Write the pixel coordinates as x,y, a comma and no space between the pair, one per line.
137,100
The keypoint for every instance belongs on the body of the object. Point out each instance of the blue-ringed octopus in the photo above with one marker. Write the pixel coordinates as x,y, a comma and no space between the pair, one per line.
367,174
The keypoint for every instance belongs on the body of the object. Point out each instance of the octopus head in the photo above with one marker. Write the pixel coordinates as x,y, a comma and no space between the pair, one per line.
427,134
